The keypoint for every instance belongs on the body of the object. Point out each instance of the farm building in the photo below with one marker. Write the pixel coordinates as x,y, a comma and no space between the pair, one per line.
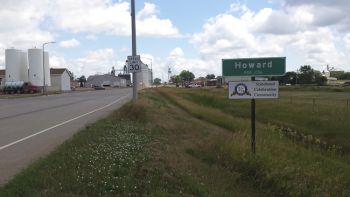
2,77
60,79
106,80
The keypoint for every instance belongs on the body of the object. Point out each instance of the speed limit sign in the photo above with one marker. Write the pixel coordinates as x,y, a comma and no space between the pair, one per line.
134,64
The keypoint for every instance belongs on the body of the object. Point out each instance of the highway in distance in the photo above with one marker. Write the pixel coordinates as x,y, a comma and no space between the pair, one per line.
32,127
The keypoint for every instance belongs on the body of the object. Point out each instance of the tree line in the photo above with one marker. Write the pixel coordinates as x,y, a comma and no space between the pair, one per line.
307,75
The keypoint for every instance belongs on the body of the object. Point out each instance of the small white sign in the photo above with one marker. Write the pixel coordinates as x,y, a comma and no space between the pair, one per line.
134,64
253,89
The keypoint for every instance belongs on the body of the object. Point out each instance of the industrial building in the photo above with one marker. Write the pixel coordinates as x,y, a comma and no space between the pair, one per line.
106,80
144,77
32,66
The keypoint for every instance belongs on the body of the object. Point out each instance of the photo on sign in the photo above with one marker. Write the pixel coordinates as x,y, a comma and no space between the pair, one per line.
240,89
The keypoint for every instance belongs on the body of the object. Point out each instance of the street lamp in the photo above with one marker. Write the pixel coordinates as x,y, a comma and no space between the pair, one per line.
44,84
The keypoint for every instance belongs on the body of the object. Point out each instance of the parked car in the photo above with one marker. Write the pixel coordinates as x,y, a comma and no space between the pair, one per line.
99,88
194,85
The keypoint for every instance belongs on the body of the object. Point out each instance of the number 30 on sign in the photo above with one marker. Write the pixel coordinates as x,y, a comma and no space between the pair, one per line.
134,64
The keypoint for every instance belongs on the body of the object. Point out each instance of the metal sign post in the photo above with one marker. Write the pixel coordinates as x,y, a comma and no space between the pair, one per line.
253,123
133,30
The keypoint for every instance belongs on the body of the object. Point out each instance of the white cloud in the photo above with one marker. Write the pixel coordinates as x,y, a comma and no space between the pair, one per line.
69,43
347,41
91,37
20,23
148,10
269,32
102,16
219,40
177,61
94,62
319,48
324,12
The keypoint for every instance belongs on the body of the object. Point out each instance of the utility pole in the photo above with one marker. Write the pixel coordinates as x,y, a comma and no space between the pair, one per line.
169,72
133,30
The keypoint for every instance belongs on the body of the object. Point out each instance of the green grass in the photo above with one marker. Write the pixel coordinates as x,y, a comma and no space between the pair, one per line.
100,160
140,150
180,142
281,167
314,88
322,114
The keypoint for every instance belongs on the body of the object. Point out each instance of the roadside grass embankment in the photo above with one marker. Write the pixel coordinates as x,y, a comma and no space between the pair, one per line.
170,144
321,118
151,148
281,166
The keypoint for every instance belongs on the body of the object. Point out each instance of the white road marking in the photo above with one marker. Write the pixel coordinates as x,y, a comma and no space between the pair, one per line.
60,124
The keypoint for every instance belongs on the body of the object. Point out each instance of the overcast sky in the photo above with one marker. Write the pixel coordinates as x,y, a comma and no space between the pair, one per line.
94,35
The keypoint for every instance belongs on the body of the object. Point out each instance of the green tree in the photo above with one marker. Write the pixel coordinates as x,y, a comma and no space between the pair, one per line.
306,75
344,76
175,79
82,80
210,76
288,78
319,79
186,75
157,82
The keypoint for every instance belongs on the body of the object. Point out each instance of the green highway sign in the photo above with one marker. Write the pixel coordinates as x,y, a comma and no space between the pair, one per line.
266,66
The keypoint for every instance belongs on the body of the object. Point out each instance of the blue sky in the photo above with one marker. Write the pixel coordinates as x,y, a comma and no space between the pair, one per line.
92,36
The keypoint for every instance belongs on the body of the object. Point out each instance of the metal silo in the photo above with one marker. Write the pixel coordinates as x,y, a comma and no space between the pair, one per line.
13,64
35,59
47,69
24,66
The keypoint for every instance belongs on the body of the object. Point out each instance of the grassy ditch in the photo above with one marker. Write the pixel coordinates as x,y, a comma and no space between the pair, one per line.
281,167
169,144
323,115
152,148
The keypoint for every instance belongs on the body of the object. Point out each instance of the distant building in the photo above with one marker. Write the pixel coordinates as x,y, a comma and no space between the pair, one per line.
211,82
144,77
2,77
60,79
227,79
127,77
106,80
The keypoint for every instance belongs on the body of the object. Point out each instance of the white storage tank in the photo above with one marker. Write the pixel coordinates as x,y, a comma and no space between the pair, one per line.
47,69
35,59
24,66
13,65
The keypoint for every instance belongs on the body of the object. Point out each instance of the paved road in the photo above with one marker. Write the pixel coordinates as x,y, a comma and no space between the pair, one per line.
32,127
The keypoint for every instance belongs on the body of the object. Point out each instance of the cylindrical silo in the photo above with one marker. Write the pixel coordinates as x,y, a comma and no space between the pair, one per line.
24,66
47,69
13,64
36,70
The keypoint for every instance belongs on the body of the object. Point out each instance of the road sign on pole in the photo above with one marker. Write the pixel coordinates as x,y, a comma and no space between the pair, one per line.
266,66
134,64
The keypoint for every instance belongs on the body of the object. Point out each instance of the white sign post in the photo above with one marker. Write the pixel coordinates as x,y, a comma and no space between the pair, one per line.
253,90
134,64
